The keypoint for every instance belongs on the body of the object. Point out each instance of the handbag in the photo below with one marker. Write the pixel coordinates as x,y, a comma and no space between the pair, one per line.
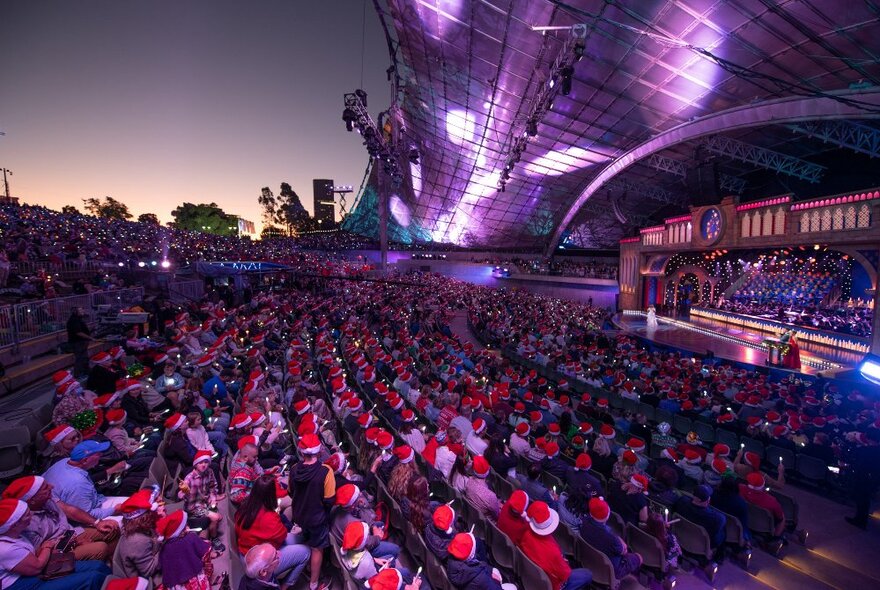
59,565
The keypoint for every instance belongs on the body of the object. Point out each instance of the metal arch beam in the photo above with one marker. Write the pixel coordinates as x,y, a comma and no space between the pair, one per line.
758,156
780,111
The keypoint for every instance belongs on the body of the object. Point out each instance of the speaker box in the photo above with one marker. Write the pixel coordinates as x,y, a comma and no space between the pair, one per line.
702,184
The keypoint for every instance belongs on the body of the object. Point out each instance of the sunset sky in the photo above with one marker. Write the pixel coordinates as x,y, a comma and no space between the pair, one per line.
160,102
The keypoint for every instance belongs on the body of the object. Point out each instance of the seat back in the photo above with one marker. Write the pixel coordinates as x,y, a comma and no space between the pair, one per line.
530,575
755,446
661,415
598,564
760,520
565,539
648,410
502,487
727,437
693,539
502,548
734,532
812,469
616,523
15,455
646,545
776,454
436,573
705,431
682,424
789,506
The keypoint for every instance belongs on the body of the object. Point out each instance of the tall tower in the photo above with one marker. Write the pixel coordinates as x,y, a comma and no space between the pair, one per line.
324,205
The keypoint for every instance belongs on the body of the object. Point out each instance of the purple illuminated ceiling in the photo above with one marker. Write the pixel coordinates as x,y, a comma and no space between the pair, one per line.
470,70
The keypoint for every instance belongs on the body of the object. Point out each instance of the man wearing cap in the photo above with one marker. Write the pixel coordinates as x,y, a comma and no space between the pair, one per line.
595,531
579,477
754,492
313,492
538,544
698,511
74,486
49,520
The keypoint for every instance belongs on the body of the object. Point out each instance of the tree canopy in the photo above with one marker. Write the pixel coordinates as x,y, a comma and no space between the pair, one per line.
150,218
109,208
284,210
69,210
208,218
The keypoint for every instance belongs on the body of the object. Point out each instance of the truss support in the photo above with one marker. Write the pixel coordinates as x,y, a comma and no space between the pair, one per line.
670,165
654,193
846,134
779,111
764,158
731,183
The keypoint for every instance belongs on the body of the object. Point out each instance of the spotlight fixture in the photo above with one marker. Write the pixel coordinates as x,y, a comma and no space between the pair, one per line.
379,145
414,156
361,95
532,128
349,117
566,74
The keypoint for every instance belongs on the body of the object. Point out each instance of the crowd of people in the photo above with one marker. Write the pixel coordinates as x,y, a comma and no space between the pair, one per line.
856,320
808,288
297,425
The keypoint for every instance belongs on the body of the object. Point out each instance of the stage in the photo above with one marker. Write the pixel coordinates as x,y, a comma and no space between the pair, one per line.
730,342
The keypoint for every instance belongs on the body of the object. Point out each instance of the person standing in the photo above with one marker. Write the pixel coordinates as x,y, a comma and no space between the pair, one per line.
866,477
78,336
313,491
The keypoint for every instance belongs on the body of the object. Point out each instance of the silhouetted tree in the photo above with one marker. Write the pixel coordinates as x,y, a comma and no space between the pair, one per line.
109,208
208,218
69,210
150,218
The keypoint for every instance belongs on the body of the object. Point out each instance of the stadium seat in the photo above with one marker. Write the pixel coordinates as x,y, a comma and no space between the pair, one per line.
15,453
705,431
530,575
682,424
774,454
811,469
598,564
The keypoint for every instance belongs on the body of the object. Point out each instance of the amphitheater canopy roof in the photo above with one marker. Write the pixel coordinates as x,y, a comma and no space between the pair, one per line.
473,73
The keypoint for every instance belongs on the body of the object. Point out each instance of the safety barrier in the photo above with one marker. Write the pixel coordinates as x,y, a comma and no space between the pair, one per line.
33,319
186,291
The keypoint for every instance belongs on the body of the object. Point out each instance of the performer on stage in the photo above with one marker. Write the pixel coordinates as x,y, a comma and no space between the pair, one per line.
652,318
792,359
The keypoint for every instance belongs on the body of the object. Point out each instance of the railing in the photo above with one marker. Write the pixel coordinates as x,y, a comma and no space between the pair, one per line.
25,321
186,291
66,268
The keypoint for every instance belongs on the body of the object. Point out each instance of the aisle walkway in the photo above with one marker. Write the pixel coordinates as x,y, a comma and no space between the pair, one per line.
459,326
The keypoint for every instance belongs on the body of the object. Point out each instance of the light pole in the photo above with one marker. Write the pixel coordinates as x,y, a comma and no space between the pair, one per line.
6,181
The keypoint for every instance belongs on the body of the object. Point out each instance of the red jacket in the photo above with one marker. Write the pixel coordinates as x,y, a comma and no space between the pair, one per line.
267,528
545,552
511,524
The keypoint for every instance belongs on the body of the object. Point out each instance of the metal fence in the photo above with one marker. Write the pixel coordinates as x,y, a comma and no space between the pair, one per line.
66,268
186,291
25,321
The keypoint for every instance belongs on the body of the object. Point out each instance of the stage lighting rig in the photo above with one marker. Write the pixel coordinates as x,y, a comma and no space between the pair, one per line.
558,80
379,145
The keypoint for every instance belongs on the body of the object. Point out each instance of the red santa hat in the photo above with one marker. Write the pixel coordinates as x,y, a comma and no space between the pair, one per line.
175,421
583,462
137,583
543,520
202,456
310,444
518,502
347,495
116,416
755,480
24,488
59,433
463,546
11,511
139,503
172,525
355,537
481,466
387,579
599,509
404,454
444,518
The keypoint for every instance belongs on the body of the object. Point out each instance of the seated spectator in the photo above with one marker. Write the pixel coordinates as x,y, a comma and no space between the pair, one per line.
532,486
257,522
392,579
75,488
244,471
138,552
478,441
603,460
440,531
580,478
573,508
663,487
538,544
630,499
728,500
178,450
21,564
352,506
658,527
458,476
415,505
512,520
698,511
183,555
49,520
411,435
552,463
754,492
625,467
499,457
260,565
595,531
466,572
478,492
200,493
